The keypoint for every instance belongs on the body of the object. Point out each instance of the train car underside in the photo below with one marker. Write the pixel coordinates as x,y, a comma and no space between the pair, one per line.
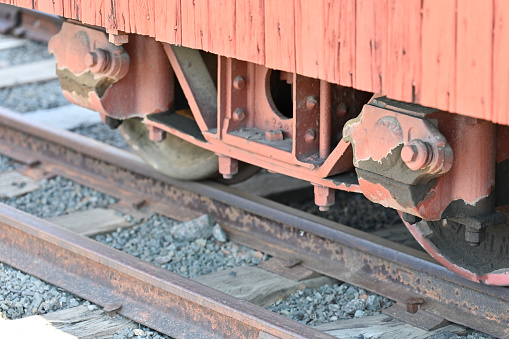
192,114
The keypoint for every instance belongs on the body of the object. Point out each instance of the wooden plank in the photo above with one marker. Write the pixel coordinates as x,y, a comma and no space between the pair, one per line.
347,22
280,35
310,36
51,7
28,73
380,326
339,46
371,45
222,32
256,285
250,31
65,117
195,24
122,16
439,54
141,16
501,62
474,57
91,222
404,50
76,9
13,184
78,322
168,21
91,12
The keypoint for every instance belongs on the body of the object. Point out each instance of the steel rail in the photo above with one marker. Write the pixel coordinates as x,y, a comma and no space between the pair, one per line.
335,250
28,23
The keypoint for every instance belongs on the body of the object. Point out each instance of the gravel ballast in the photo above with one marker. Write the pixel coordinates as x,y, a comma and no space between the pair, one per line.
59,196
330,303
32,97
152,241
24,295
101,132
7,164
29,52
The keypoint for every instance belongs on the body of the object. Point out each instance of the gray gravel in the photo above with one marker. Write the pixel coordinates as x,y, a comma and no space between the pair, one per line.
33,97
7,164
449,335
152,241
330,303
354,210
30,52
101,132
23,295
59,196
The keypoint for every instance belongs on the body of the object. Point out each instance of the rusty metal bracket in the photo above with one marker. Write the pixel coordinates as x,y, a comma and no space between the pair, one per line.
197,84
121,82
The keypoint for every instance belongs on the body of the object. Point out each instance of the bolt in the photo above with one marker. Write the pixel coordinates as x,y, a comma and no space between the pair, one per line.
324,197
274,135
239,114
310,136
311,103
342,109
228,167
156,134
412,304
411,219
91,59
417,154
239,83
473,236
111,309
98,60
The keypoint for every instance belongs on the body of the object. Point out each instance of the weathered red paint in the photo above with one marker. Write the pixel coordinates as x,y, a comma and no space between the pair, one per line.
452,62
121,82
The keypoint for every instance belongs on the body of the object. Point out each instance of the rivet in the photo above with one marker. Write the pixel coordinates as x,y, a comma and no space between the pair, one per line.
239,83
311,103
239,114
310,136
342,109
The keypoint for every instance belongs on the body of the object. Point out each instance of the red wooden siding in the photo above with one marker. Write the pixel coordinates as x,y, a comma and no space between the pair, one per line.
449,54
370,45
250,31
438,81
474,51
501,62
280,35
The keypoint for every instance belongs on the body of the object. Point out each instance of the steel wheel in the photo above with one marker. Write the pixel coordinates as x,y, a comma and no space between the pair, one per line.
178,158
173,156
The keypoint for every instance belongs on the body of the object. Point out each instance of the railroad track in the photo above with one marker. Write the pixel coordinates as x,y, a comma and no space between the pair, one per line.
328,248
426,293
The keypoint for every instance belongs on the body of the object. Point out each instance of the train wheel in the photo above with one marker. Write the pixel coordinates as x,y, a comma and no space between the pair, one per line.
173,156
487,263
178,158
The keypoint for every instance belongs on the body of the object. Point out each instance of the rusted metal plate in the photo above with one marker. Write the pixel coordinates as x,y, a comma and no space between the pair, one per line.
329,248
